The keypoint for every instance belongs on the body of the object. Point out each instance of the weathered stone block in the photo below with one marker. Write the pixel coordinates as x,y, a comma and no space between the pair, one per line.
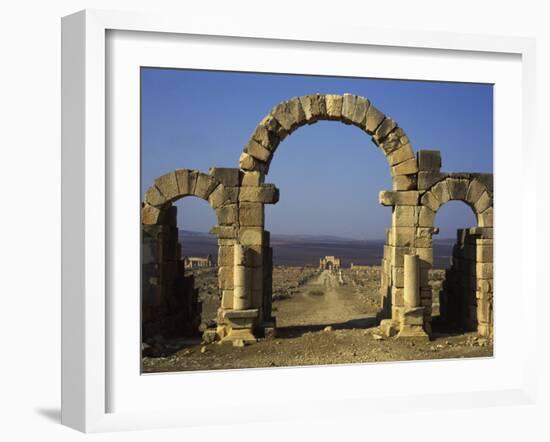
248,162
289,114
186,181
227,299
225,256
396,254
251,236
402,236
251,178
403,198
484,288
487,180
204,186
475,190
430,201
218,197
484,270
429,160
334,106
348,107
428,179
251,214
168,186
397,297
226,232
404,153
225,278
227,215
258,151
150,215
384,129
405,168
485,219
266,138
441,192
313,107
154,197
267,194
360,111
229,177
404,182
413,316
373,119
255,255
484,253
483,203
457,188
272,125
424,236
398,277
404,216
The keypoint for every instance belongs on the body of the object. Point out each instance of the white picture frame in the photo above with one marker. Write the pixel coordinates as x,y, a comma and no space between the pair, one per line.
86,317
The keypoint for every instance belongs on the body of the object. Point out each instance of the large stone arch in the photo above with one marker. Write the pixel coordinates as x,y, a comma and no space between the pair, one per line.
284,119
289,115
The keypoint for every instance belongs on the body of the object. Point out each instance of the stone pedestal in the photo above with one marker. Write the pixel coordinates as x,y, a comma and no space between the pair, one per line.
240,324
412,324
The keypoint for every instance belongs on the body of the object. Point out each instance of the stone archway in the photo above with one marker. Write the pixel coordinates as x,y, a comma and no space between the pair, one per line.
284,119
239,195
468,294
289,115
158,217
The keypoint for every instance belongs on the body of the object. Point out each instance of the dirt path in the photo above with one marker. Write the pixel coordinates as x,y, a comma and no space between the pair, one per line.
323,322
320,303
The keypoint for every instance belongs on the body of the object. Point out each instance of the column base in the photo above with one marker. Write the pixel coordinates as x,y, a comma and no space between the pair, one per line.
239,325
412,325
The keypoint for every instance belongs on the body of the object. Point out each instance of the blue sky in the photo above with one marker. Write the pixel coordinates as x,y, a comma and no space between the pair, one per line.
329,174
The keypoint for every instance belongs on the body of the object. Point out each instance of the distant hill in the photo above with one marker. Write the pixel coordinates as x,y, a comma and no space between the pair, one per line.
308,249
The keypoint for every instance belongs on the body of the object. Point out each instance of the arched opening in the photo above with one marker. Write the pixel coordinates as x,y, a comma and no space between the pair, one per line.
453,277
327,229
199,253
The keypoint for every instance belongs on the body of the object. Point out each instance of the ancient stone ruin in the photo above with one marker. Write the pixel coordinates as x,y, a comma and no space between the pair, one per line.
238,197
330,263
197,262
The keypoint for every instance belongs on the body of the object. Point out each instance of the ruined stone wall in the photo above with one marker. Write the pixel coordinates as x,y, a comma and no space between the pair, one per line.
466,298
170,305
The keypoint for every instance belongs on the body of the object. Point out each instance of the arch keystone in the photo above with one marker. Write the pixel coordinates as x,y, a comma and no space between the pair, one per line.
334,106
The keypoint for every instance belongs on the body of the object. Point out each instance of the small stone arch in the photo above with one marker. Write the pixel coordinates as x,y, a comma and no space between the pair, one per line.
289,115
181,183
467,295
158,219
474,190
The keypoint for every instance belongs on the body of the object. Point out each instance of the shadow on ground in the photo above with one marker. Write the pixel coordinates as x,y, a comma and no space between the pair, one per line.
295,331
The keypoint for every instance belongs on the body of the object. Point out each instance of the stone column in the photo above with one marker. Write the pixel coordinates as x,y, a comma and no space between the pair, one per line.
241,295
411,281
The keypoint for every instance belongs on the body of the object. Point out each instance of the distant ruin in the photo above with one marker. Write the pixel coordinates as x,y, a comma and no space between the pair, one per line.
239,195
330,263
198,262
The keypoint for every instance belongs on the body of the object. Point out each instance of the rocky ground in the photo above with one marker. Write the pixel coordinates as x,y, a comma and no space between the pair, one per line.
319,321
